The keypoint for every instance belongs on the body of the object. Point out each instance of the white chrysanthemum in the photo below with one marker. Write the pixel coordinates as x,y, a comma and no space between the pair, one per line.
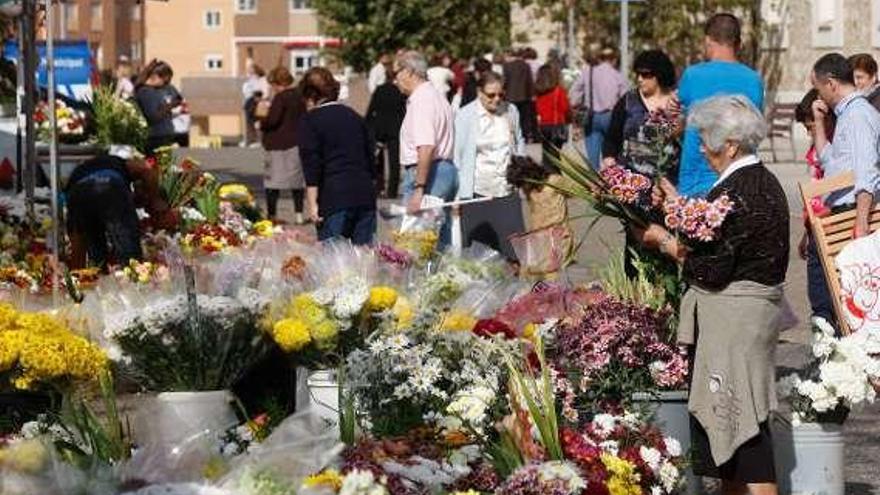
673,447
610,446
604,423
651,456
192,214
471,404
670,477
823,345
656,490
323,296
565,471
359,482
821,398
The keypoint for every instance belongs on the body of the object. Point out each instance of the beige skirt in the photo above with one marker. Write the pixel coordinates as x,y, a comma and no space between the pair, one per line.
283,170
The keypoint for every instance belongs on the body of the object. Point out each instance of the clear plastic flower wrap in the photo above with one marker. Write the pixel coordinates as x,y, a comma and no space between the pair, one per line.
480,301
181,339
415,235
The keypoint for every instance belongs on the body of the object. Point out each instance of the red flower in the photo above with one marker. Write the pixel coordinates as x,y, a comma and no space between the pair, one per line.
490,327
150,162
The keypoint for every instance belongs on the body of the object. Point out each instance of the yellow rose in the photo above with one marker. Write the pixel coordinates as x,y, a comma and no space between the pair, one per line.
381,299
291,335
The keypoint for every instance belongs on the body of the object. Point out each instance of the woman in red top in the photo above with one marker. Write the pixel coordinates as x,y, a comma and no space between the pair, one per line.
553,111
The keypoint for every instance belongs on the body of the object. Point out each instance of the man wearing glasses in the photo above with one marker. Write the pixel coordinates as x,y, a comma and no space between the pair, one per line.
425,139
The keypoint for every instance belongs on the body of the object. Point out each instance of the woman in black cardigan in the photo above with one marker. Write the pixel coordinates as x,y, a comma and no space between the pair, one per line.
336,154
730,315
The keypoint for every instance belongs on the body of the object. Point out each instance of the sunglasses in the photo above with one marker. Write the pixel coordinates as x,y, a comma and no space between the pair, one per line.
493,96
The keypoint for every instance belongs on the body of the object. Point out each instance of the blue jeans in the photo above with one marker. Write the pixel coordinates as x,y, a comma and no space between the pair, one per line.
355,224
596,137
817,288
443,183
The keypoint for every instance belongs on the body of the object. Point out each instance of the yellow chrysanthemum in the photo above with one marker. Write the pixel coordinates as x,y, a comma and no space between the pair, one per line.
324,334
27,456
292,335
264,228
403,312
236,193
530,331
329,478
381,299
304,307
623,479
459,321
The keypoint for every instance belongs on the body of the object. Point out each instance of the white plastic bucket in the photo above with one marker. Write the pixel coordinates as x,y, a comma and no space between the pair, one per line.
809,458
175,416
324,395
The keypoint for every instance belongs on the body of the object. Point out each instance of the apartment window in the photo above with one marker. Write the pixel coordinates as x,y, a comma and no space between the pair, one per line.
71,16
135,51
303,60
212,19
296,5
97,15
246,6
213,62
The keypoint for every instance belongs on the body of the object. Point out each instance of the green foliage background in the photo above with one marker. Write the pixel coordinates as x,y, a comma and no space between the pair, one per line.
464,28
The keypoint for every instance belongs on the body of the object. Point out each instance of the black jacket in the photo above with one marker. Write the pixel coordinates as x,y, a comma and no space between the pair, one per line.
386,111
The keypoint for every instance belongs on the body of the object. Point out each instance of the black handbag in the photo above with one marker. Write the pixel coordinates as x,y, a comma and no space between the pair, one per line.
583,115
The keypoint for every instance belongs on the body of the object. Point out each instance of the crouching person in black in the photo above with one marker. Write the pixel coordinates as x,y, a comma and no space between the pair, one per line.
102,221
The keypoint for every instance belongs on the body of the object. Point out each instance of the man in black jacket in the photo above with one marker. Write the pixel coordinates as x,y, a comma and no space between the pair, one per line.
520,90
384,118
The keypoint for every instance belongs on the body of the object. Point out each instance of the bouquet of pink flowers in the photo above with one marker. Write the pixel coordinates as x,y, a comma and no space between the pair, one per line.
613,350
696,218
625,185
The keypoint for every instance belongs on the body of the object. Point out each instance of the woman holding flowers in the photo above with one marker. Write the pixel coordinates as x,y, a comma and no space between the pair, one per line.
730,315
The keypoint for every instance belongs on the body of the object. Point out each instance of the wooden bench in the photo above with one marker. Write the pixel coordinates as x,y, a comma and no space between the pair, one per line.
832,233
780,126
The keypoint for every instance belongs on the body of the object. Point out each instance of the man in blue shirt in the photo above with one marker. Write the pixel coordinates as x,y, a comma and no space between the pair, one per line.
721,74
853,148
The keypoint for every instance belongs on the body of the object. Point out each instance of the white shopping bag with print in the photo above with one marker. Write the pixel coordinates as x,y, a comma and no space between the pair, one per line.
859,265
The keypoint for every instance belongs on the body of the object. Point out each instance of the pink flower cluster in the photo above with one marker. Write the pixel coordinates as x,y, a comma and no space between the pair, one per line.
613,338
697,218
626,186
547,301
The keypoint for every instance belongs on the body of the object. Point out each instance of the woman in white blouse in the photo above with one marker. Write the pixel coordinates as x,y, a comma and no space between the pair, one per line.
487,136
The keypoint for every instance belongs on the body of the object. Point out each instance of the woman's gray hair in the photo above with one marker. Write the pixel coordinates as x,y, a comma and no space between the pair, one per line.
728,118
415,62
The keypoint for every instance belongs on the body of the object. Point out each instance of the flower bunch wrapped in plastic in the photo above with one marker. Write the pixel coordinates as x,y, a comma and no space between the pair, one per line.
411,378
624,454
838,377
696,218
180,343
414,463
208,238
546,478
616,348
143,273
70,122
38,349
625,185
117,121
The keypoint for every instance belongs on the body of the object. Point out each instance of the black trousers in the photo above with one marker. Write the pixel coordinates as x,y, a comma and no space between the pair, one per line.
272,196
528,119
388,152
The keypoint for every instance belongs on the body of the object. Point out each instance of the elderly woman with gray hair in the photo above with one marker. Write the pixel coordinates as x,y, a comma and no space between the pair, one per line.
730,315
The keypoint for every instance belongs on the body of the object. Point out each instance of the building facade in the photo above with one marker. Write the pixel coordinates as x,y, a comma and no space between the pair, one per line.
210,43
220,37
113,28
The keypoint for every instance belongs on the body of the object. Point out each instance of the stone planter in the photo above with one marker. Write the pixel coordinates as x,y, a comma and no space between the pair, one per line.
669,410
809,457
